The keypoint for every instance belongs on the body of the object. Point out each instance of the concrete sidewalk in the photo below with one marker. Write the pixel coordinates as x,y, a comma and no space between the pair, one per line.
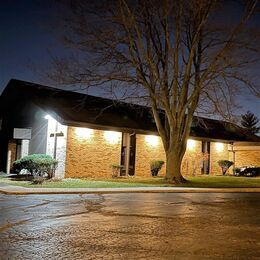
16,190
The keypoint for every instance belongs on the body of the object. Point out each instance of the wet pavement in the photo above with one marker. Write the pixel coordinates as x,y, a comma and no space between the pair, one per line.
130,226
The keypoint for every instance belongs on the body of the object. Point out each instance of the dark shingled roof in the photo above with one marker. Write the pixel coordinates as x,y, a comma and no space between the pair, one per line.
76,109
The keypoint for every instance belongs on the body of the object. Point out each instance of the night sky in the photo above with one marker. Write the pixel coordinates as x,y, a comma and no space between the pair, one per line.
28,35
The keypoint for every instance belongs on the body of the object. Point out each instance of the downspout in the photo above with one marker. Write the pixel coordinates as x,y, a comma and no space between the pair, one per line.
55,141
234,157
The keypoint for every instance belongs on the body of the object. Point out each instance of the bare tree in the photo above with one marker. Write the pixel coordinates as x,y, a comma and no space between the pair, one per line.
177,55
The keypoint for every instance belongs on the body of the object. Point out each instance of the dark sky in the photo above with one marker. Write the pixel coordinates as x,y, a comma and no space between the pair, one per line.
28,33
26,37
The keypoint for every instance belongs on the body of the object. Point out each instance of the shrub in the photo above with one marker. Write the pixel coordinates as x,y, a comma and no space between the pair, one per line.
116,169
224,164
38,165
38,180
156,166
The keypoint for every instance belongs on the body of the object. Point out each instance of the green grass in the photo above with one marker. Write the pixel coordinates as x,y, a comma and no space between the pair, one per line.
78,183
200,182
223,182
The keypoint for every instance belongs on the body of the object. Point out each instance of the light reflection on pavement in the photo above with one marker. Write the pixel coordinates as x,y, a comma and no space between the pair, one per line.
131,226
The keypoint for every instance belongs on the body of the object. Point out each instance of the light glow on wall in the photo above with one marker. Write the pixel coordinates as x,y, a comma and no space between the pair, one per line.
191,144
52,123
152,140
219,147
112,137
84,133
48,117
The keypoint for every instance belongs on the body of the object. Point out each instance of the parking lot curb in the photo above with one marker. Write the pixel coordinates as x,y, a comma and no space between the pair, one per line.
14,190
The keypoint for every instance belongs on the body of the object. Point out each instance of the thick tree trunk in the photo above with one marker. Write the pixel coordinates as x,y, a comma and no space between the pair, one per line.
173,167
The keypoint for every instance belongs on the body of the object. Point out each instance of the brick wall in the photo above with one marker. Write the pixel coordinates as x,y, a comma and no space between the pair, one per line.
247,158
93,154
90,153
218,151
150,148
193,158
12,150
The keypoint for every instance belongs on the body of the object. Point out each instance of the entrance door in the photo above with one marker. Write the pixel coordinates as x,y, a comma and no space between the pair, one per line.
206,157
128,154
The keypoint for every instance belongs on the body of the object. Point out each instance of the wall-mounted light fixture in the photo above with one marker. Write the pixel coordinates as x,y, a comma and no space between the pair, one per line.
191,144
48,117
112,137
152,140
51,121
219,147
84,133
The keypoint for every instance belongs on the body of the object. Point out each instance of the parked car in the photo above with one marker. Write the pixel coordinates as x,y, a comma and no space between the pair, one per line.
247,171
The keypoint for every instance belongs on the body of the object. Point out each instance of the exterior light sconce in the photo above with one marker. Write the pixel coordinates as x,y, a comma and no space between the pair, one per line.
191,144
52,122
112,137
152,140
48,117
84,133
219,147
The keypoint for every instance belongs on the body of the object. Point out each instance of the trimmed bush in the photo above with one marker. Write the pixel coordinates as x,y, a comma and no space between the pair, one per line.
38,165
156,166
38,180
225,164
116,169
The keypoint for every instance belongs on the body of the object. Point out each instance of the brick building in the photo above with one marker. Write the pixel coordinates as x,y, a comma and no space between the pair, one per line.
88,134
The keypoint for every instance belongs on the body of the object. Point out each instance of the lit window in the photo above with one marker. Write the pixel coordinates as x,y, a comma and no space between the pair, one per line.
84,133
191,144
152,140
112,137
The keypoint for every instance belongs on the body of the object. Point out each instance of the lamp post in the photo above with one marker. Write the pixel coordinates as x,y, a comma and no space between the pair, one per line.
234,157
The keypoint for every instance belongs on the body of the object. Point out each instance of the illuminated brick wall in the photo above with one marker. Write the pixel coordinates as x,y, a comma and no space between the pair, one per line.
218,151
150,148
12,153
193,159
247,155
247,158
90,153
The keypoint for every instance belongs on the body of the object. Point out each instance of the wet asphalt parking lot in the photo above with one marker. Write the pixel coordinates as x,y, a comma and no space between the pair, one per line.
130,226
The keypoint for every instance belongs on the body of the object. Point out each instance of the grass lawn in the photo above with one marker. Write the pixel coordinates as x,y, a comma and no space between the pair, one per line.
200,182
